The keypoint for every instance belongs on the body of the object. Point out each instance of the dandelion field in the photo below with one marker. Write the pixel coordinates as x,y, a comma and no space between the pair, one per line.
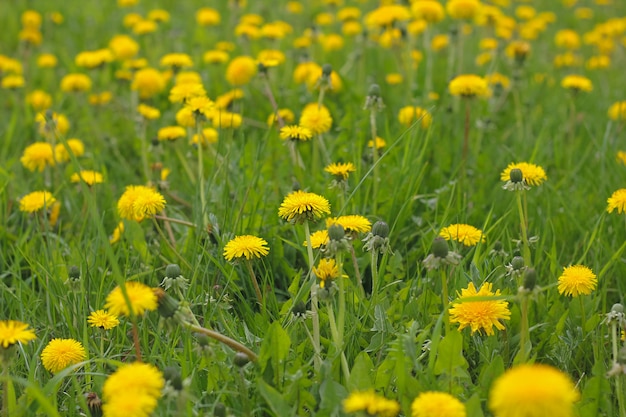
325,208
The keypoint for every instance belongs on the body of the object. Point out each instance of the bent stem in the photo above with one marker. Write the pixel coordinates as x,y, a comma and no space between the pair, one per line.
317,359
224,339
255,283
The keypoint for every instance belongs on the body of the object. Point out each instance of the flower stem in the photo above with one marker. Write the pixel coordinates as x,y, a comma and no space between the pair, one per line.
466,131
357,272
224,339
317,360
522,219
334,332
375,278
375,158
136,341
618,378
582,317
445,299
255,283
205,219
524,331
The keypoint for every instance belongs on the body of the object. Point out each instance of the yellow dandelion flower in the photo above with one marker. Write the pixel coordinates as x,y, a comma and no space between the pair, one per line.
535,390
245,246
621,157
463,9
371,403
207,16
352,223
479,315
241,70
469,85
326,270
171,133
577,280
159,15
176,61
61,353
39,100
227,120
430,11
143,27
286,115
123,47
437,404
577,83
148,82
617,111
340,170
117,233
215,57
139,202
567,38
394,78
129,404
304,70
75,146
38,156
103,320
316,118
139,378
318,239
295,133
463,233
498,79
12,82
180,93
299,206
409,114
617,200
36,201
532,174
209,136
140,296
380,143
13,331
148,112
88,177
75,83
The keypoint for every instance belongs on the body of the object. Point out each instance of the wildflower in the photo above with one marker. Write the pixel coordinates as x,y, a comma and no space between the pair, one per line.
176,61
148,112
299,206
518,50
295,133
132,390
62,150
479,315
498,79
394,78
39,100
617,111
316,118
143,27
148,82
285,115
94,59
371,403
159,15
88,177
36,201
100,99
139,202
340,170
103,320
226,120
617,200
378,239
209,136
318,239
577,83
171,133
469,85
387,15
531,174
207,16
241,70
13,331
380,143
409,114
245,246
304,71
567,38
352,224
326,270
621,157
37,156
437,404
75,83
463,233
430,11
440,255
117,233
535,390
12,82
577,280
141,298
215,57
181,93
61,353
123,47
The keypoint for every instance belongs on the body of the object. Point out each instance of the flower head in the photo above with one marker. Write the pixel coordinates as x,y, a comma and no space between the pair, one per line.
577,83
148,112
88,177
171,133
132,390
61,353
36,201
479,315
148,82
75,83
103,320
318,239
463,9
295,133
245,246
241,70
463,233
531,174
617,111
577,280
326,270
340,170
617,200
140,202
37,156
371,403
299,206
469,85
316,118
117,233
62,150
535,390
140,296
13,331
351,223
437,404
176,61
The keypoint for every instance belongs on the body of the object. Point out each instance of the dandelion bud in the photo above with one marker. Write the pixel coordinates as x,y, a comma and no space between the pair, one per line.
498,246
516,175
241,359
336,232
172,271
167,306
299,309
517,263
617,308
530,279
440,247
380,229
326,70
94,403
172,374
74,273
219,410
202,339
374,91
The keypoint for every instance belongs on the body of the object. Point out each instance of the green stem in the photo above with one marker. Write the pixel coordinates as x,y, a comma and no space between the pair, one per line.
522,219
144,153
5,389
136,340
375,158
375,278
618,378
317,359
334,332
255,283
342,297
445,299
524,336
205,218
582,316
224,339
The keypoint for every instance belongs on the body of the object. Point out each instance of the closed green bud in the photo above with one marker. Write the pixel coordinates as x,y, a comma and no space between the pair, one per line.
326,70
202,339
74,273
440,247
172,374
497,246
219,410
617,308
380,229
516,175
172,271
167,306
530,279
336,232
517,263
374,91
241,359
299,308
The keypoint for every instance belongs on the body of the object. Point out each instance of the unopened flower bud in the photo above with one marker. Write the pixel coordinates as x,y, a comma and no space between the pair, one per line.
172,271
299,308
172,374
517,263
497,246
374,91
516,175
440,247
241,359
74,273
336,232
219,410
617,308
380,229
94,403
326,70
167,306
202,339
530,279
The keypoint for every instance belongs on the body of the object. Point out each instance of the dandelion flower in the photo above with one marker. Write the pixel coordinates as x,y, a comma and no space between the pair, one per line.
75,83
351,223
286,115
176,61
577,280
532,174
429,10
617,200
139,202
371,403
241,70
129,404
577,83
171,133
13,331
36,201
117,233
463,9
316,118
148,82
245,246
132,390
61,353
326,270
340,170
318,239
469,85
37,156
148,112
617,111
300,205
535,390
88,177
437,404
39,100
103,320
140,296
295,133
463,233
479,315
75,146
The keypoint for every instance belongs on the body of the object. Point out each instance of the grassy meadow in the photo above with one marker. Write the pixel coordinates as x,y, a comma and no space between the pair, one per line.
313,208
